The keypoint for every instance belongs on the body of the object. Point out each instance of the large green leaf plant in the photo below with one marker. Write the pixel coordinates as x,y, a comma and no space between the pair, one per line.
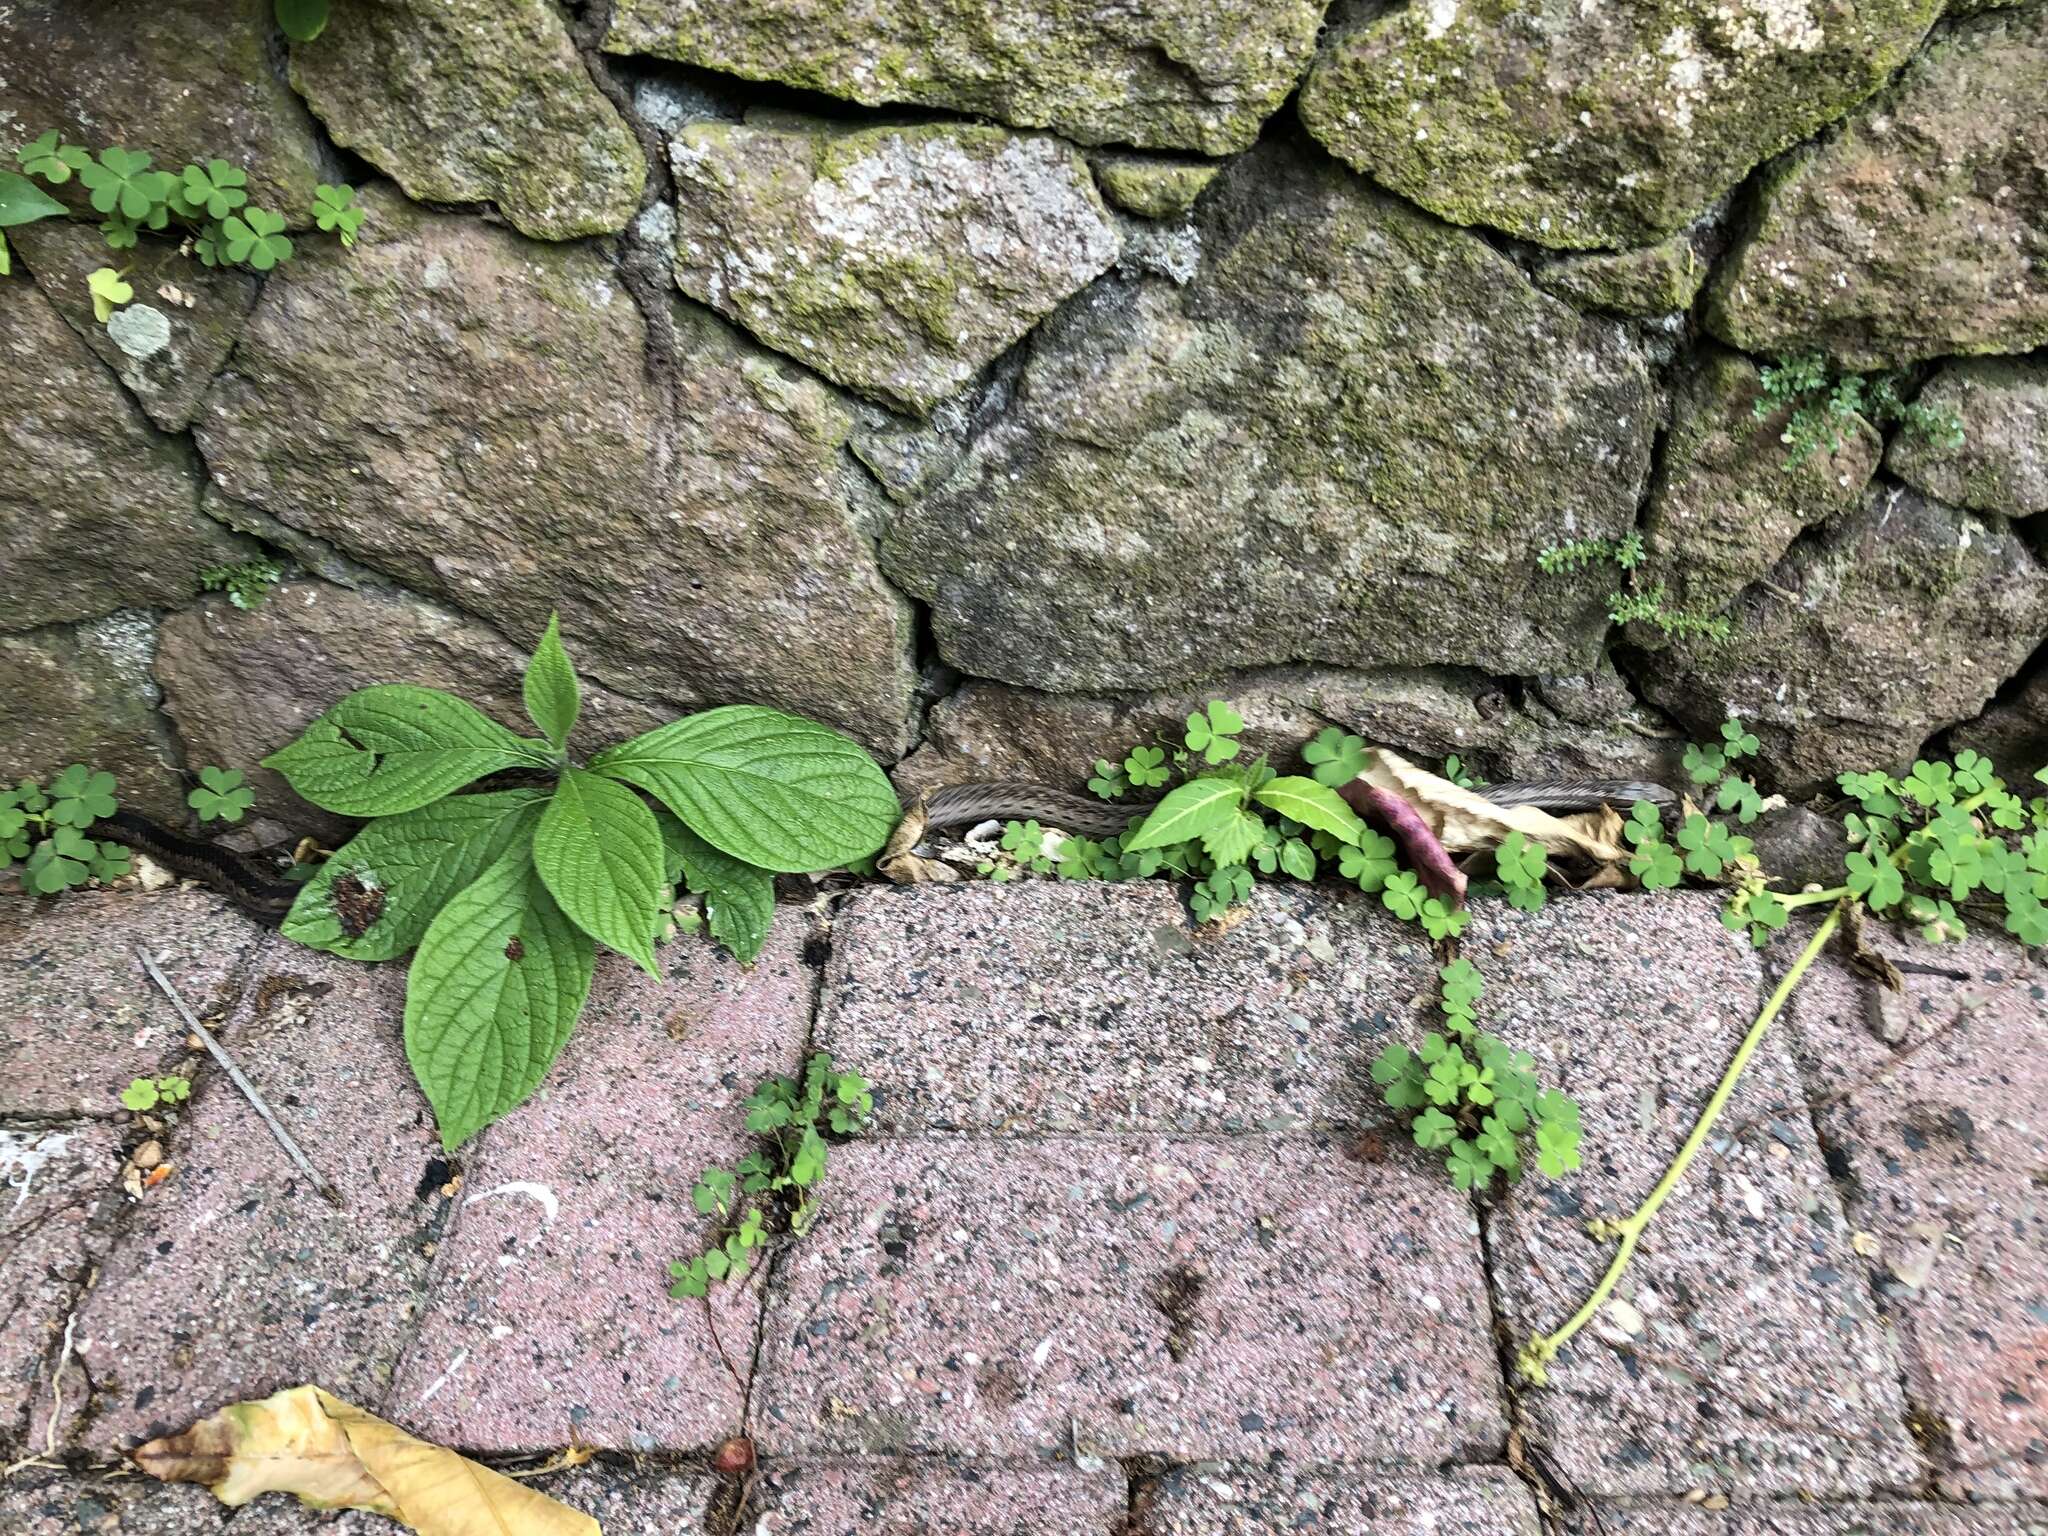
503,894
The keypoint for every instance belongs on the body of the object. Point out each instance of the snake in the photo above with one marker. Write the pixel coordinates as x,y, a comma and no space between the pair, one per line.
254,885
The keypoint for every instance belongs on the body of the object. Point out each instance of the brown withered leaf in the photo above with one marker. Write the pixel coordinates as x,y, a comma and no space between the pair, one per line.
1465,822
333,1455
899,862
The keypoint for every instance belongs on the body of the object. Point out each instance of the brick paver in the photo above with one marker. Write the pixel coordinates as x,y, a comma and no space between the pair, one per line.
550,1312
83,1018
1748,1356
1216,1500
1047,1008
1935,1103
1891,1518
58,1199
235,1278
923,1496
1129,1296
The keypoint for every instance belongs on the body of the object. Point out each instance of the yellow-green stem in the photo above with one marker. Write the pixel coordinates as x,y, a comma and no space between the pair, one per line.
1537,1353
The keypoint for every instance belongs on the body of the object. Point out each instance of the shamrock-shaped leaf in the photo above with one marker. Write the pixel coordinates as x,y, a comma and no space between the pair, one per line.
1457,773
1874,877
2026,919
1213,733
1704,764
1938,921
1470,1167
52,159
1708,847
256,237
119,234
1462,983
1433,1128
1522,865
1403,895
1929,784
334,210
1657,866
107,290
1147,767
1873,791
140,1095
1645,823
121,181
1335,756
1370,862
1741,797
1442,922
79,796
217,189
1110,780
220,796
1736,742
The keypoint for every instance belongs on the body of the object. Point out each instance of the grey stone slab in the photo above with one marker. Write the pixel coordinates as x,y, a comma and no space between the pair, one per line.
1236,1297
1037,1008
916,1495
1747,1354
83,1016
1935,1104
1898,1518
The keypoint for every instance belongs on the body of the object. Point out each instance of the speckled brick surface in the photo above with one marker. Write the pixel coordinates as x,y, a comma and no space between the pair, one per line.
1935,1103
1217,1500
235,1278
59,1198
1232,1298
1041,1007
926,1495
1753,1361
1891,1518
551,1312
83,1018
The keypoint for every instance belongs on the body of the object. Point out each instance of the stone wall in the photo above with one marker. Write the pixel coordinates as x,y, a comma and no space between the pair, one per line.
995,381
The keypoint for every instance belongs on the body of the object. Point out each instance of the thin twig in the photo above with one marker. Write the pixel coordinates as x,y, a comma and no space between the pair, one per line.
327,1191
46,1457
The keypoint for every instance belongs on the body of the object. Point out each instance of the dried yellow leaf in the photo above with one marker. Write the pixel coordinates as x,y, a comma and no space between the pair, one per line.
333,1455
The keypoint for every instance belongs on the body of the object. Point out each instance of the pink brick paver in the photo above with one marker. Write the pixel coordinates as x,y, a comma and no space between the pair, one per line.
1896,1518
1236,1297
1943,1143
924,1496
1333,1501
1035,1008
551,1312
235,1278
59,1195
82,1016
1753,1361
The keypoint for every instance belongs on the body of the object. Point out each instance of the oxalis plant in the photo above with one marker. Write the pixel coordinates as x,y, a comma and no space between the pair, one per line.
1943,845
502,894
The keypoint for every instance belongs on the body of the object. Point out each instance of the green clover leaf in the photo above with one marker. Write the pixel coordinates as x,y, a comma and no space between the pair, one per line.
52,159
1470,1167
216,189
1736,742
107,290
121,181
1110,781
334,211
1213,733
1147,767
1403,895
1704,764
1874,877
79,797
256,237
220,796
1433,1128
1656,866
1335,756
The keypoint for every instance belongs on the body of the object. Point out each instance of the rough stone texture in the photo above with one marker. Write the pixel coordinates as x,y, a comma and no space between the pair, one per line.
1131,1296
1651,280
53,1504
551,1312
476,100
2002,463
100,511
919,1495
1670,1518
1150,186
169,380
83,1016
1916,229
1942,1135
63,1190
1049,1009
1289,459
1726,507
82,693
180,80
1896,620
1245,1501
235,1278
472,413
1171,74
1560,727
242,683
1755,1364
896,261
1800,847
1605,125
2012,731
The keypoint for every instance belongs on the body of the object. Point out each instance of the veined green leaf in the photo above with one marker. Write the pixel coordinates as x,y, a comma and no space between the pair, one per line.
23,202
385,750
779,792
599,851
739,900
553,698
1313,805
493,993
399,871
1198,806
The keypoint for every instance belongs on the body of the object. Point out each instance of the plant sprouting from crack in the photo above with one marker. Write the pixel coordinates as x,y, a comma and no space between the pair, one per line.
247,582
1824,405
47,831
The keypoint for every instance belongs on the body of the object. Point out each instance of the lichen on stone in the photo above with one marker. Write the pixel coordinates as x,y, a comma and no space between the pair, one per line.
2001,462
1649,281
1149,186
